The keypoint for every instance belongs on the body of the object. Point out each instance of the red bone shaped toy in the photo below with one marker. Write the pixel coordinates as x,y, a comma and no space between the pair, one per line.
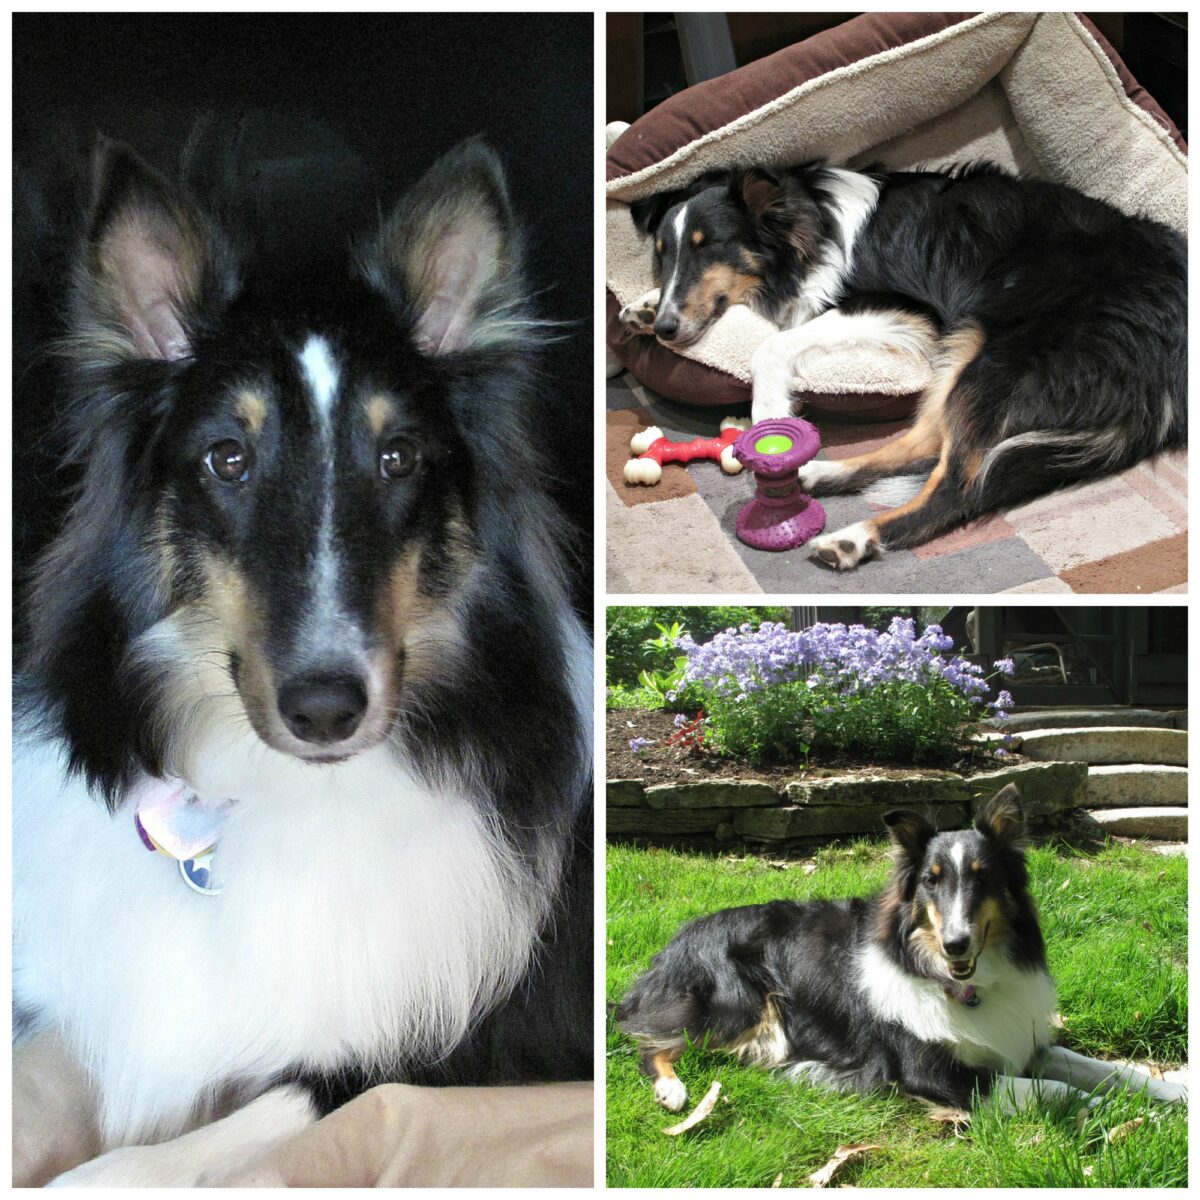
653,450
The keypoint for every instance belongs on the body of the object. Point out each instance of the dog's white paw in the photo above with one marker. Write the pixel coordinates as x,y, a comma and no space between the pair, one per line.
670,1093
639,316
819,474
847,548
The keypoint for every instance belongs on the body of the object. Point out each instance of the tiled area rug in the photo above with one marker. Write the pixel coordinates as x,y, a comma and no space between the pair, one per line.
1125,534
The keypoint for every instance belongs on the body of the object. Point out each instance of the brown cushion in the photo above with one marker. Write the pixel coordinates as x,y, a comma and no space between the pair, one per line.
706,106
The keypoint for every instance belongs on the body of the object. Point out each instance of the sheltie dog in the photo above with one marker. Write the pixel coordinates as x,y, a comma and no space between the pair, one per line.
303,751
938,985
1056,326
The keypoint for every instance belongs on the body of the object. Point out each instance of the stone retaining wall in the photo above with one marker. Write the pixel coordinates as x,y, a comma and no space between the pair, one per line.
826,803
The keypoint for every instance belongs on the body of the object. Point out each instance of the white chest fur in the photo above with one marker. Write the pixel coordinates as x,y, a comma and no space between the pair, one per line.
361,915
1011,1022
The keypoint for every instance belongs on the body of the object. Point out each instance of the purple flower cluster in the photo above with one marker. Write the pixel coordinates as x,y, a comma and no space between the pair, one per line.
851,659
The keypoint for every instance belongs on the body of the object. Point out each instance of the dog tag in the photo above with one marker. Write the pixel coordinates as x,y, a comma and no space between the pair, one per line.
172,820
197,873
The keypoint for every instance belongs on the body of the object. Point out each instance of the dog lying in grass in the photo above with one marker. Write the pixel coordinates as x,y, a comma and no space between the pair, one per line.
938,985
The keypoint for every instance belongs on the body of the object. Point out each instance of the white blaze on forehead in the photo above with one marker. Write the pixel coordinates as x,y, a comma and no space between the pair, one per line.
681,221
669,278
320,373
326,626
956,918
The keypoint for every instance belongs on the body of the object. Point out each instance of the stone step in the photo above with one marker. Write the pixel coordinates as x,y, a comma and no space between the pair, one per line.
1107,744
1086,718
1136,785
1170,824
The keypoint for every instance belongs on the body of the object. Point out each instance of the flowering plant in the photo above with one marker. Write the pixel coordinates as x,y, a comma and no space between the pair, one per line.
773,693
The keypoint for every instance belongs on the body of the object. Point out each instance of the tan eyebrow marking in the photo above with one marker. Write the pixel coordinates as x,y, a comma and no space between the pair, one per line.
252,409
380,411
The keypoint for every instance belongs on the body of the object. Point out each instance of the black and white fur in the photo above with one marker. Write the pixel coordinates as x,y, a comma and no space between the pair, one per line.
363,640
867,993
1055,324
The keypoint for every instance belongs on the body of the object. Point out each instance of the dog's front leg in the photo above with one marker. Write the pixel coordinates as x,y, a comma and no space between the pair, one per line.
773,364
206,1156
1011,1093
771,369
1095,1075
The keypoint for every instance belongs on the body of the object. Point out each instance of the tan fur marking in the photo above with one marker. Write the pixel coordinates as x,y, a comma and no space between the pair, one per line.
380,411
719,280
930,430
994,919
764,1044
422,628
251,410
877,525
929,941
163,550
230,603
663,1063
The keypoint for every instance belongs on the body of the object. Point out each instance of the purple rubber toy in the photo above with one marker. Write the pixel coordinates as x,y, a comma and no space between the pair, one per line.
781,516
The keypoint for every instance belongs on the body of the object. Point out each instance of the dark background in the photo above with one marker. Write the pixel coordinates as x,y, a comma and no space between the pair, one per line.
393,91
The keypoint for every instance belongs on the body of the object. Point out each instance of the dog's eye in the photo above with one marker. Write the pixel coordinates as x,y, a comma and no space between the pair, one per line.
399,457
228,461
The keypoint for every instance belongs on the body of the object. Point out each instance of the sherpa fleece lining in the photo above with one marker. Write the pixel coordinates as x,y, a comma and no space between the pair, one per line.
1034,92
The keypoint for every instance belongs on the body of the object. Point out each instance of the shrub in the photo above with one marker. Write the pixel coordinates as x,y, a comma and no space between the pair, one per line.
773,694
631,627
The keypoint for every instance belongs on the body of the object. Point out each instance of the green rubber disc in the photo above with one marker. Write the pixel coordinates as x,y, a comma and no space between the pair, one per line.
773,443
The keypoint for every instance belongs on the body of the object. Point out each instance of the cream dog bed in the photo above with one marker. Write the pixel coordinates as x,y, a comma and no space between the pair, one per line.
1041,93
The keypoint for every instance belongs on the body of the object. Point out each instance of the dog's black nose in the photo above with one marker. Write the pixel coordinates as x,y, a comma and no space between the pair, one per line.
323,708
955,947
666,325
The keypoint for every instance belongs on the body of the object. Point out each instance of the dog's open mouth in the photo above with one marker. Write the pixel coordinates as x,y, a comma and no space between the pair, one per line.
961,968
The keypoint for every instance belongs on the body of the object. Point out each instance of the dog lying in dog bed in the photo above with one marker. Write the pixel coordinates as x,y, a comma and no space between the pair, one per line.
1039,93
1053,323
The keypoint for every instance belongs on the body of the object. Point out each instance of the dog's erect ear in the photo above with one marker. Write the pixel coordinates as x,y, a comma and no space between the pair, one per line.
1002,817
910,831
452,248
143,266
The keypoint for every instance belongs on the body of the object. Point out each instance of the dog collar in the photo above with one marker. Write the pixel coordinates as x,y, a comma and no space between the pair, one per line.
171,819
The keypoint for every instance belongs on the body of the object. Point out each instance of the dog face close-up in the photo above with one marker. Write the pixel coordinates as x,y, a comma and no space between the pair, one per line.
962,884
703,255
725,240
304,491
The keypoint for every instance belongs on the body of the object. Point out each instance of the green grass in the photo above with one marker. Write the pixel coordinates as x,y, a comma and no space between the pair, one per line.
620,695
1116,930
